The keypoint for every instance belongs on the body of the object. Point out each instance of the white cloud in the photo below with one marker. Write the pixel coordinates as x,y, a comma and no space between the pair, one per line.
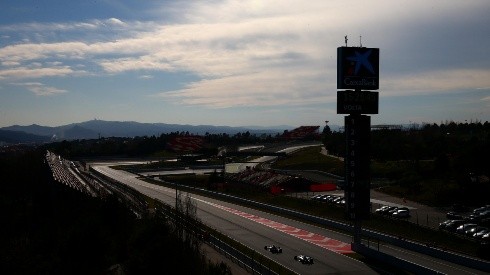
10,63
436,81
115,21
40,89
254,53
276,88
34,72
91,25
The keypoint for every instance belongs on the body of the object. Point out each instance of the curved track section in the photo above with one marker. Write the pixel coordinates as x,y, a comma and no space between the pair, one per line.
256,228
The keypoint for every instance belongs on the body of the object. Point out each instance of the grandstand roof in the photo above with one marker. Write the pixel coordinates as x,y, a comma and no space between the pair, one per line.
302,132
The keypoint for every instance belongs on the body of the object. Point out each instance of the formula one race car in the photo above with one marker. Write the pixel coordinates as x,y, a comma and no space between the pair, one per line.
274,249
304,259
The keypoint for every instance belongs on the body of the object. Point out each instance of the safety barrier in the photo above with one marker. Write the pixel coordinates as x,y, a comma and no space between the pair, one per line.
403,243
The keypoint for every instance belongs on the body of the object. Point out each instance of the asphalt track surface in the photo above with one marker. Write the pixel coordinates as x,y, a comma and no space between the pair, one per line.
256,229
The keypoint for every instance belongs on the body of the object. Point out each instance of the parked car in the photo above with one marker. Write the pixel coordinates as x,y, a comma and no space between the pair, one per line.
318,197
465,227
486,237
401,213
304,259
454,216
330,198
389,209
315,196
481,233
442,225
450,225
453,226
340,202
471,231
481,209
392,210
273,249
336,199
381,209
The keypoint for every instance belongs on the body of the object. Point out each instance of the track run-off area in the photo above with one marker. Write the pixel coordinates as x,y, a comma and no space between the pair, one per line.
317,239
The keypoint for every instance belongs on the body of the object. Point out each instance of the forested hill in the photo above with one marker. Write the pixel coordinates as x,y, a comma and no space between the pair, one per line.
13,137
99,128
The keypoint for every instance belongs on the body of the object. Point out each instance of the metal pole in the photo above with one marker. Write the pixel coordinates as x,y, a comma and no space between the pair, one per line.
357,231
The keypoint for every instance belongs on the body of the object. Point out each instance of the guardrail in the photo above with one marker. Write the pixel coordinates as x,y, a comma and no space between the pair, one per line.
431,251
250,263
247,262
420,248
383,257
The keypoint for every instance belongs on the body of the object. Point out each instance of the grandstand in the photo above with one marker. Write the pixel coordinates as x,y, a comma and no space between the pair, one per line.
63,172
302,132
185,143
67,173
269,180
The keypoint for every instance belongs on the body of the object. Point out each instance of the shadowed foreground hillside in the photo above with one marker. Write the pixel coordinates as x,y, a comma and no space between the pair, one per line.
51,229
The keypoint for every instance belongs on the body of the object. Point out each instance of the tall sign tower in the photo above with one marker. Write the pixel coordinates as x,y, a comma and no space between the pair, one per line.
357,76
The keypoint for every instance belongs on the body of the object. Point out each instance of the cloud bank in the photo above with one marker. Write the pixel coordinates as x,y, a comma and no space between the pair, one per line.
262,53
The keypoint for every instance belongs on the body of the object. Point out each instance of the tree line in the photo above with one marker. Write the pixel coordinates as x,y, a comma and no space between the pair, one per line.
459,147
436,164
150,145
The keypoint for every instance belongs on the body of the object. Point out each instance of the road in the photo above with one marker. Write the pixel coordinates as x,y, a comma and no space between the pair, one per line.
256,228
241,166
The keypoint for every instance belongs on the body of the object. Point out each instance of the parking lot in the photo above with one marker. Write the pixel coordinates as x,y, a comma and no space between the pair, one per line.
420,214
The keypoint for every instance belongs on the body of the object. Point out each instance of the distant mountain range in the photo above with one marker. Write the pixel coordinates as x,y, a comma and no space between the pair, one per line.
99,128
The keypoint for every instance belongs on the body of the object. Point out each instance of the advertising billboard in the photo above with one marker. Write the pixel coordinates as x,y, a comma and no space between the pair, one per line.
358,68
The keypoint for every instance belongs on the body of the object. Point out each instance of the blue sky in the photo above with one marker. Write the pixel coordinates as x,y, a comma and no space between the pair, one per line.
238,63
